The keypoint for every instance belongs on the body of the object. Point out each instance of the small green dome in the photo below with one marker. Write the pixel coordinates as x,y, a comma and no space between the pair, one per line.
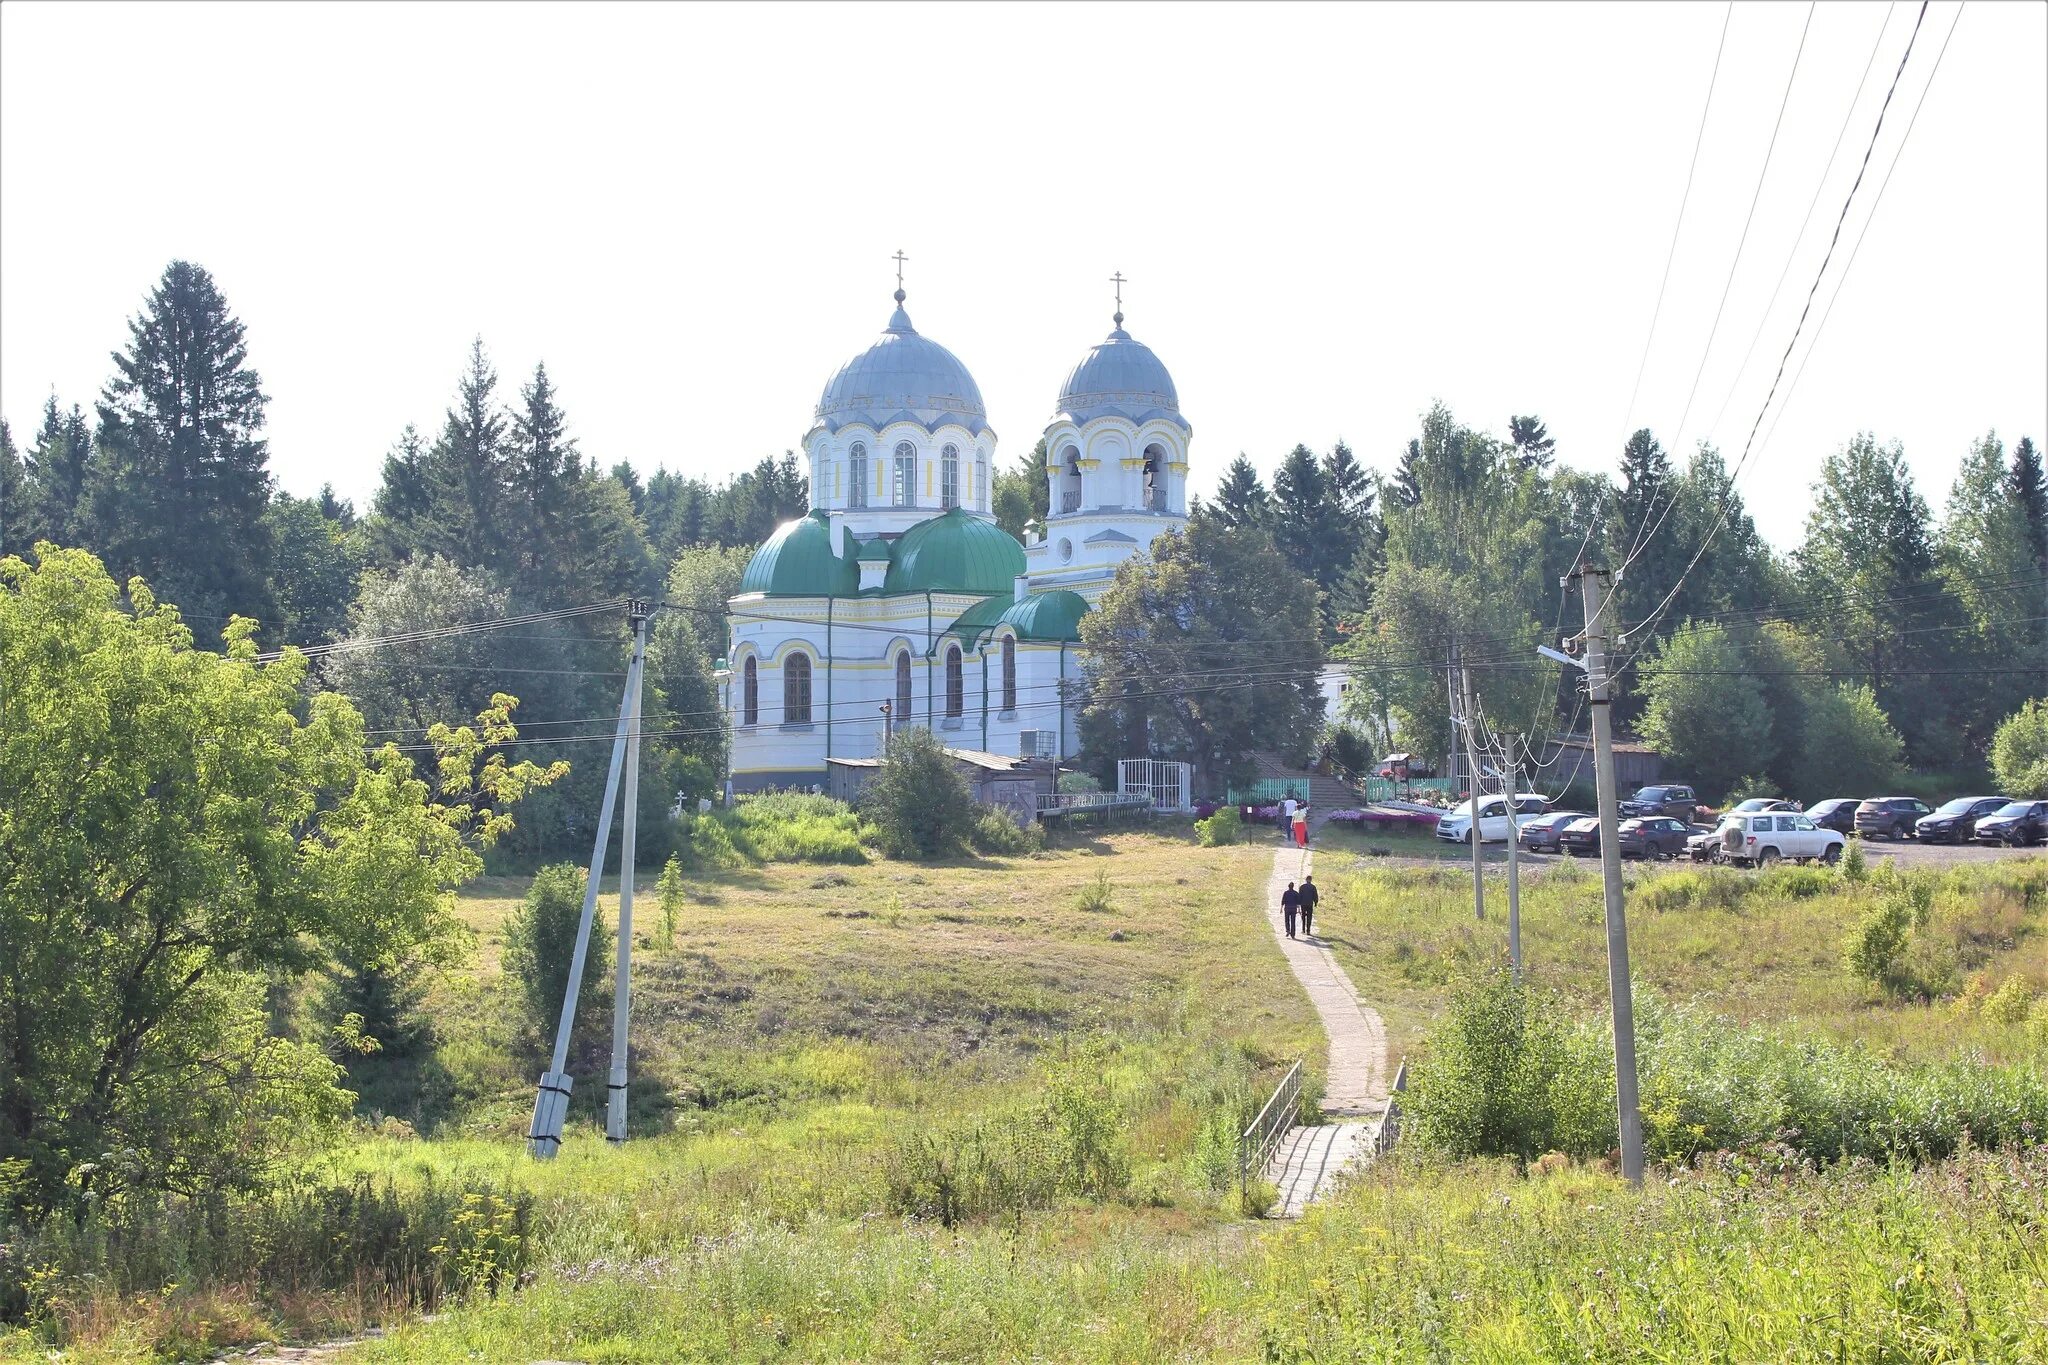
1048,616
798,561
955,552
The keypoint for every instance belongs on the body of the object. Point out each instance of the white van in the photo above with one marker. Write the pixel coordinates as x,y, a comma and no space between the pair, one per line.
1456,825
1764,838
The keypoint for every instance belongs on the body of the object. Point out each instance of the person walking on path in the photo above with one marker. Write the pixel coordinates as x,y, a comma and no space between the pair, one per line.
1309,897
1290,906
1287,820
1301,825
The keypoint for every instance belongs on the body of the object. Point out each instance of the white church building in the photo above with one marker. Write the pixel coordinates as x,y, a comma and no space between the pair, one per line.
899,601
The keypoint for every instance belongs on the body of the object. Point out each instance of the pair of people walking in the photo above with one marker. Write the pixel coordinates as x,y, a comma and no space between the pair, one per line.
1293,822
1300,904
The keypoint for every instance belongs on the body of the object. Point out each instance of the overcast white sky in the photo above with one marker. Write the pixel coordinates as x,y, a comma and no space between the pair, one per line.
1330,215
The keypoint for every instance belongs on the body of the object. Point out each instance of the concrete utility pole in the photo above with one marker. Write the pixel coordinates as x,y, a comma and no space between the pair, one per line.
1514,780
1593,584
622,984
1472,765
551,1101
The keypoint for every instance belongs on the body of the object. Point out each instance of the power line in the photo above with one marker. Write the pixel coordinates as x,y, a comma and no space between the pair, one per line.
1819,187
1857,250
1756,196
1748,445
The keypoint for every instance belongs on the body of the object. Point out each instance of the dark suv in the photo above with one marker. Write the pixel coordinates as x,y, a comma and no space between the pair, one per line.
1837,813
1675,801
2021,822
1889,817
1955,822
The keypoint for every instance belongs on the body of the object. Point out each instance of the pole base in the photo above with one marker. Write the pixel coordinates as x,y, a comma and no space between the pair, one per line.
550,1106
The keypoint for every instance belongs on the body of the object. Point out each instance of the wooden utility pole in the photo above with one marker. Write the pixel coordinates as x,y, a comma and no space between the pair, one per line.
622,986
1472,769
1593,584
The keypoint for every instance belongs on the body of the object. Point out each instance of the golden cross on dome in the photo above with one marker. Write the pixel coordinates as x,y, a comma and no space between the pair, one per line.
899,258
1119,281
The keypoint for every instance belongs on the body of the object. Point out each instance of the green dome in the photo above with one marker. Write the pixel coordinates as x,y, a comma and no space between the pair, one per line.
1052,615
797,561
955,552
980,618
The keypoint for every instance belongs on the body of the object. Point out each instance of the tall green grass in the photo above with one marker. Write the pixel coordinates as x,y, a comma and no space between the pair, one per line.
1511,1072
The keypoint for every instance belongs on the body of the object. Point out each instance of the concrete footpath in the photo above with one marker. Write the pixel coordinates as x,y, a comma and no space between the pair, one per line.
1310,1160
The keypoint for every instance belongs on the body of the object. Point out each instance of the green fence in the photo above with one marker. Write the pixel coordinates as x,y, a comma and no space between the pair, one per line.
1384,789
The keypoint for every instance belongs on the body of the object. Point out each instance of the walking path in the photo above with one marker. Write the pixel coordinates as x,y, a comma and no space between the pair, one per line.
1310,1160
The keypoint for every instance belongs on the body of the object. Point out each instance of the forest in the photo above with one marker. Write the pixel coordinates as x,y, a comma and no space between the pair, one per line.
1888,643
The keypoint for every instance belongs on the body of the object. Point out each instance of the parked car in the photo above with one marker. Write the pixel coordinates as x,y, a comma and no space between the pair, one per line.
1652,836
1494,827
1889,817
1580,837
1540,835
1761,803
1769,837
1665,799
1837,813
1955,822
2016,823
1399,767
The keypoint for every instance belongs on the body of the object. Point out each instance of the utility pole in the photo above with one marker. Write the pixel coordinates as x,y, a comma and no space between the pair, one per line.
551,1101
622,984
1594,585
1472,765
1514,780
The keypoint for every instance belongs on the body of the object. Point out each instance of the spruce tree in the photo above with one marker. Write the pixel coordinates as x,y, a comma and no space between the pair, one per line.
1300,499
1405,488
465,472
58,467
1241,499
403,501
543,463
180,483
2029,487
1532,442
13,488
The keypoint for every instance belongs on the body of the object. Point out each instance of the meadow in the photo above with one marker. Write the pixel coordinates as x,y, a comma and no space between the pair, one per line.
983,1109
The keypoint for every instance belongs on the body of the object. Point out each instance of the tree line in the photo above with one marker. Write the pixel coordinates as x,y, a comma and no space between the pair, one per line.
1887,640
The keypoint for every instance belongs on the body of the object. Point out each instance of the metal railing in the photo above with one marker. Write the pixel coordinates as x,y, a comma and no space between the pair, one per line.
1255,1146
1390,1124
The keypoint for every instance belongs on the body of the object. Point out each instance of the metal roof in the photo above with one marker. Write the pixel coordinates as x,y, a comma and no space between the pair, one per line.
955,552
904,376
1121,377
799,561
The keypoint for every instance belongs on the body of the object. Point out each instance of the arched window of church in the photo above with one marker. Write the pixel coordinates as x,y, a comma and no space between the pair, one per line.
750,693
906,474
1009,672
857,476
796,689
1155,479
949,476
903,687
956,687
1070,480
980,494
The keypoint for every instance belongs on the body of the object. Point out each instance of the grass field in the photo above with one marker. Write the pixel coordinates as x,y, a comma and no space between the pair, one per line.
951,1112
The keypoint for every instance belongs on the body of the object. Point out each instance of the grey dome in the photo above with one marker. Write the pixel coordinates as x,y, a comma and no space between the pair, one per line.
1123,378
902,376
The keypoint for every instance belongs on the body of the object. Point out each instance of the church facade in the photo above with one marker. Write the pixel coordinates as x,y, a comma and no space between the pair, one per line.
899,601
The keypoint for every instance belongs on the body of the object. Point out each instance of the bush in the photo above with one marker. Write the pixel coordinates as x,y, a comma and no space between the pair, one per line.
1854,868
2019,751
540,940
1095,897
918,804
1225,826
1876,950
996,834
1755,784
1503,1078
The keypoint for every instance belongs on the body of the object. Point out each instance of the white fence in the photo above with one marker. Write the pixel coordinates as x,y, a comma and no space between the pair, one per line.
1168,786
